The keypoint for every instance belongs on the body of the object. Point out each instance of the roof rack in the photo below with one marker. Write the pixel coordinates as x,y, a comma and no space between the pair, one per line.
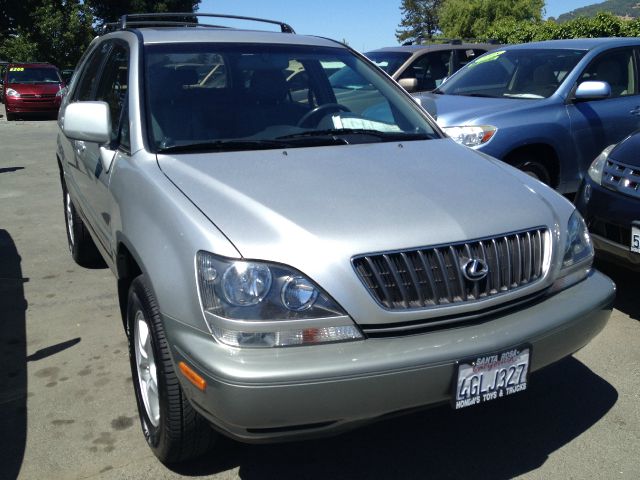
184,20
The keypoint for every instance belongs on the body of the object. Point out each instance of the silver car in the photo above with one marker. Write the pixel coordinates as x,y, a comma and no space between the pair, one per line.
292,262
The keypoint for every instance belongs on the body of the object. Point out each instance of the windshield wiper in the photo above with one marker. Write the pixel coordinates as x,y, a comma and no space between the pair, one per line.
335,132
224,146
484,95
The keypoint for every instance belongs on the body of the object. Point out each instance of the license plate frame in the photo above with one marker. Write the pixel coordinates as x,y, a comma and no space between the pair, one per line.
487,377
634,244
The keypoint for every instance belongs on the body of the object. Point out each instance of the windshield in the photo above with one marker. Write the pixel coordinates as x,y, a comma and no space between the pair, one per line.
518,73
33,75
388,61
215,97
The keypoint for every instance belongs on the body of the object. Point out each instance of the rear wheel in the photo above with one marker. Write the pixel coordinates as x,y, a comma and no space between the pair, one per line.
173,429
81,246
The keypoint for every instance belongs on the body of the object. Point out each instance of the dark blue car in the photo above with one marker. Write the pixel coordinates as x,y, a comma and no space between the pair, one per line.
609,200
548,108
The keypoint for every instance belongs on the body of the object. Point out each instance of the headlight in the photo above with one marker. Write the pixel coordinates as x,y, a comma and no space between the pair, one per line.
258,304
597,167
471,135
578,253
12,93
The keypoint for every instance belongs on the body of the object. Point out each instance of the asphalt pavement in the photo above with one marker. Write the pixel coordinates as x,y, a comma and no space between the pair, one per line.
67,409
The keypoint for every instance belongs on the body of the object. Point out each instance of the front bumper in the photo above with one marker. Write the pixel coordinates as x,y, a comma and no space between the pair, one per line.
276,394
32,105
609,216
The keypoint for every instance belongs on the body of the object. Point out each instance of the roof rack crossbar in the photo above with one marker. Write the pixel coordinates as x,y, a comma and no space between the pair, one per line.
141,19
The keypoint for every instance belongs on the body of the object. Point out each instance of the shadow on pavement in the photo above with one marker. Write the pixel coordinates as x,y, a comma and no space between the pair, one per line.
13,360
498,440
628,284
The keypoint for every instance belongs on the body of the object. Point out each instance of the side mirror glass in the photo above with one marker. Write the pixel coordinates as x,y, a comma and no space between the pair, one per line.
87,121
409,84
593,90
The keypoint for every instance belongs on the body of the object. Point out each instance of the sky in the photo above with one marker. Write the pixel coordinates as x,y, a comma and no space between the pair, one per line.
364,24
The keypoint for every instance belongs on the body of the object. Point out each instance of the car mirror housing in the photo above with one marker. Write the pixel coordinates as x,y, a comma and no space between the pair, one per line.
593,90
409,84
88,121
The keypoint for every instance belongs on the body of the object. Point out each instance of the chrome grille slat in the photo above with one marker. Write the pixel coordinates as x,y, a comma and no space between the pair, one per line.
427,277
622,178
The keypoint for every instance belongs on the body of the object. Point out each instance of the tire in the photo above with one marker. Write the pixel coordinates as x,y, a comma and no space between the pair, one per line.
83,250
534,169
174,431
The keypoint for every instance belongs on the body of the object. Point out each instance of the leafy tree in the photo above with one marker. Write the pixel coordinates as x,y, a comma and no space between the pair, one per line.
112,10
419,20
472,18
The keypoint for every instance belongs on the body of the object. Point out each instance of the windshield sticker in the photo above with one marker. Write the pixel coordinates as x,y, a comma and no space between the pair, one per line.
16,69
489,57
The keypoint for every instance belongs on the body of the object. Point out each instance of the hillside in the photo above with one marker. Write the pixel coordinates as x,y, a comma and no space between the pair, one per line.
621,8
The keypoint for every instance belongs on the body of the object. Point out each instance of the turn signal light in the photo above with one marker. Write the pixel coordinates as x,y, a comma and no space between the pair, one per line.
193,377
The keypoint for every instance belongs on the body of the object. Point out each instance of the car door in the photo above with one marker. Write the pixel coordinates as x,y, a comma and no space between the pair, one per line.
112,88
596,124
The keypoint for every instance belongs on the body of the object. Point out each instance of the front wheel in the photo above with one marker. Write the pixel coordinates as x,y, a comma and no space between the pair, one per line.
173,429
83,250
534,169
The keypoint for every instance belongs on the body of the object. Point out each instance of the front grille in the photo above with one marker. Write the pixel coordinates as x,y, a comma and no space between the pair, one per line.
33,95
621,178
429,277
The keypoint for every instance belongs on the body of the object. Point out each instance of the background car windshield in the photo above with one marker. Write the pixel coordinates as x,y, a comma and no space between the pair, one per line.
199,93
388,61
518,73
32,75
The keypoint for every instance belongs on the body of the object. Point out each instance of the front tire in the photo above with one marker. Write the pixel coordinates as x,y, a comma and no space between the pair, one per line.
174,431
83,250
534,169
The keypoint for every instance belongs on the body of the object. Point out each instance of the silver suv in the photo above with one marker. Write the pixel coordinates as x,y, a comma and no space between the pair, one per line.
294,260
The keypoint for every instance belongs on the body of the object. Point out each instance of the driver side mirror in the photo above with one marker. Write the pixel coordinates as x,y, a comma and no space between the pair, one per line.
592,90
409,84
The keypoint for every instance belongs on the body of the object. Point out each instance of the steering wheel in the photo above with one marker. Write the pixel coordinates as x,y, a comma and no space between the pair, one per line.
320,111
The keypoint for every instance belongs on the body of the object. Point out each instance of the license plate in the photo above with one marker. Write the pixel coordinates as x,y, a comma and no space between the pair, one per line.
635,239
489,377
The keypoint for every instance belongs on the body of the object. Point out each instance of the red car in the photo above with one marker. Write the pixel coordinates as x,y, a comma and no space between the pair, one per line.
32,88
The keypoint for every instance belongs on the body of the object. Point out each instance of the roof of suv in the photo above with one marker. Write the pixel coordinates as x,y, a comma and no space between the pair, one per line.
152,35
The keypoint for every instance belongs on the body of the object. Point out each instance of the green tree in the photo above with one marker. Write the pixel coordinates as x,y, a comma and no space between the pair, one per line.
419,20
472,18
111,10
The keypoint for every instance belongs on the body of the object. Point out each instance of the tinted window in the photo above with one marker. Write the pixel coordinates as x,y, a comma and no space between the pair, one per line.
518,73
86,87
388,61
112,88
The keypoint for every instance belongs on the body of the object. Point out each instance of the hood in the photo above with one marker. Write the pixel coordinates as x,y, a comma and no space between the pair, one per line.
36,88
306,207
458,110
627,151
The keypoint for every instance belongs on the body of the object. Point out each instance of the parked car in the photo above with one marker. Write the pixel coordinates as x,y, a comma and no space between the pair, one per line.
292,268
548,108
423,67
609,199
32,88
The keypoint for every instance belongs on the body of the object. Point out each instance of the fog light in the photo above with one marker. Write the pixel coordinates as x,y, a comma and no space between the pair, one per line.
298,294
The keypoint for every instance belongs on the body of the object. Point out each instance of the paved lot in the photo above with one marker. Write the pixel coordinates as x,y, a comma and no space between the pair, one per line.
67,409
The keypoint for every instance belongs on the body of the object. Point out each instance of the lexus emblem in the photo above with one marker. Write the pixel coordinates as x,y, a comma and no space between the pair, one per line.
475,269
